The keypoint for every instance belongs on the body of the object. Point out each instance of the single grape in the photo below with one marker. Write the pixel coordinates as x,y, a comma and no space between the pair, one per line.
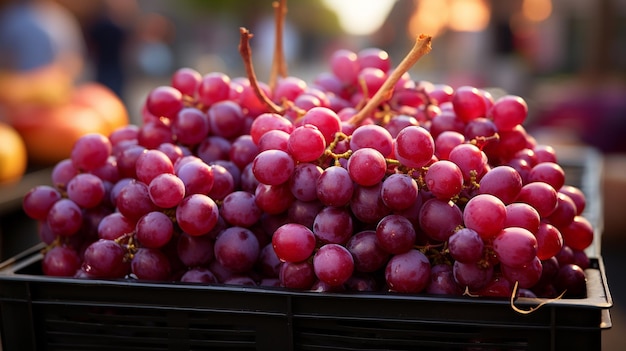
273,199
408,272
65,218
444,179
38,201
154,230
333,225
196,176
151,264
199,275
399,191
166,190
548,172
334,187
240,209
367,204
333,264
133,200
90,151
372,136
186,80
213,87
303,182
86,190
503,182
519,214
508,111
193,250
468,103
395,234
515,246
273,167
105,259
190,126
226,119
297,275
539,195
237,249
439,219
414,147
485,214
578,234
114,226
164,101
197,214
466,246
306,143
367,166
472,275
293,242
61,261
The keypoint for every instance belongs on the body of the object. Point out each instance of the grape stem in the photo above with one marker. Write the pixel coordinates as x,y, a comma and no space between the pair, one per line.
532,309
246,54
421,47
279,65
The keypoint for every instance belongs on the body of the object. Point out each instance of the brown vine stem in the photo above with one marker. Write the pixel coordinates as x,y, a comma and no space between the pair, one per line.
279,65
421,47
246,54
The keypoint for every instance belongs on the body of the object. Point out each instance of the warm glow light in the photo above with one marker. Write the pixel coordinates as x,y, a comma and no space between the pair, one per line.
435,16
537,10
430,17
468,15
361,17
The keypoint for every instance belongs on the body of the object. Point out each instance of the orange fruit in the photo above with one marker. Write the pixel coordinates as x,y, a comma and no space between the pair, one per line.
13,154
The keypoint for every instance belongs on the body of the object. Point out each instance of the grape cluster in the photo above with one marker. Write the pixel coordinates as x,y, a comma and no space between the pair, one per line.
438,190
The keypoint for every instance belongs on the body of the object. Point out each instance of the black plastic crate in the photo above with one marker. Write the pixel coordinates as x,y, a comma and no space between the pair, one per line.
47,313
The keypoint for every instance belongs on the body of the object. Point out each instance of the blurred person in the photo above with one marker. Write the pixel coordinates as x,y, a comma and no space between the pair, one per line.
41,53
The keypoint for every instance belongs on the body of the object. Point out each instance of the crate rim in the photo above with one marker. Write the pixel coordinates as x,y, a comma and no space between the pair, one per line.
601,299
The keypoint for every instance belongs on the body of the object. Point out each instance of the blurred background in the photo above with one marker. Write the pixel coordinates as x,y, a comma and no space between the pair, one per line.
566,58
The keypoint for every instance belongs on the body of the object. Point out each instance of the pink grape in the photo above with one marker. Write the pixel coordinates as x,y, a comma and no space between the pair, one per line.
297,275
414,147
367,254
197,214
303,181
519,214
515,246
408,272
444,179
114,226
237,249
395,234
61,261
466,246
334,186
151,264
240,209
154,230
65,217
541,196
190,126
549,241
105,259
186,80
151,163
333,225
372,136
468,103
508,112
273,167
367,166
195,250
86,190
472,275
197,177
166,190
548,172
226,119
503,182
38,201
439,219
485,214
273,199
213,87
306,143
293,242
333,264
399,191
90,151
578,234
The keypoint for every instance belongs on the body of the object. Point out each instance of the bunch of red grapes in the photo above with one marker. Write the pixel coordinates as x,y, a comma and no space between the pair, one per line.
438,191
